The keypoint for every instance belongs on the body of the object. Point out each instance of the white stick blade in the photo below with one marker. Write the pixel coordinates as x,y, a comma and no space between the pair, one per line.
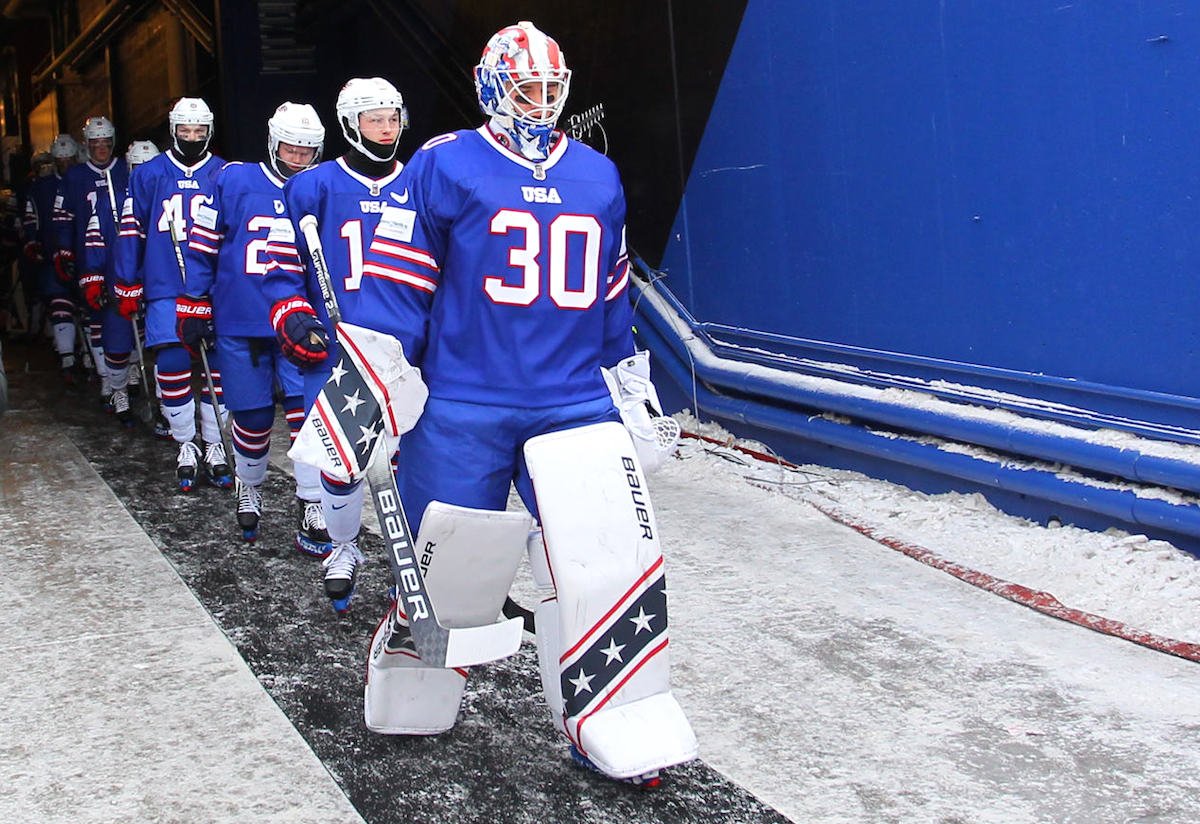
468,646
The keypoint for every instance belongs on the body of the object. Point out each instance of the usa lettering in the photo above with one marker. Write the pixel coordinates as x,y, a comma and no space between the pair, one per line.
188,184
640,507
371,206
540,194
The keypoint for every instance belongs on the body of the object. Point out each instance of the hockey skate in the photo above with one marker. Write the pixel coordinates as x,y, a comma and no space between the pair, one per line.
216,466
134,383
648,780
120,405
186,465
341,570
66,365
312,539
162,429
249,510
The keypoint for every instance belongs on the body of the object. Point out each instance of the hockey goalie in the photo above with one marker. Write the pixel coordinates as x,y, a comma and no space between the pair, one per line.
503,276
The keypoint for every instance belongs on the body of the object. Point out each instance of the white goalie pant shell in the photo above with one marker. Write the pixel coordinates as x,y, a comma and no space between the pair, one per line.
602,635
402,696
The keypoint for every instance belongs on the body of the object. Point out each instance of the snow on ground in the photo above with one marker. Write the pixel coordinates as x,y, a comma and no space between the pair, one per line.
1147,584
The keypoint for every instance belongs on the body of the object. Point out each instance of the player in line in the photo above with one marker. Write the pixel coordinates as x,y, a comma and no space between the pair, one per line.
41,236
97,280
347,196
502,271
84,188
164,197
226,260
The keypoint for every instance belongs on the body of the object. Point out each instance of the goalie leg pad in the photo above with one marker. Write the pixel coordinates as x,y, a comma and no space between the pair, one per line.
609,656
402,695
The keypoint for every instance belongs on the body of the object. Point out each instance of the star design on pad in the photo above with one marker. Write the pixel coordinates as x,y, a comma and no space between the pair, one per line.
369,434
338,372
353,402
583,682
613,651
642,620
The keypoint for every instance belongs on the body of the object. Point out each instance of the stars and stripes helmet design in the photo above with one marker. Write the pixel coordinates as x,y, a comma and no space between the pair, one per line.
522,82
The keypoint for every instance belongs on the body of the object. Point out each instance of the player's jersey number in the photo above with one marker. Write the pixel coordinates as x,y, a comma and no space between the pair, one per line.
525,258
172,210
257,261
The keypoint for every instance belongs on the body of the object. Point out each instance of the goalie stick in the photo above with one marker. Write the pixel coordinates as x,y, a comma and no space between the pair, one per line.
203,348
147,413
437,645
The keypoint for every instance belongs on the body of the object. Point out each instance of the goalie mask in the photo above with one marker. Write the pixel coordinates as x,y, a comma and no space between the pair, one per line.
139,152
522,82
190,111
363,95
296,125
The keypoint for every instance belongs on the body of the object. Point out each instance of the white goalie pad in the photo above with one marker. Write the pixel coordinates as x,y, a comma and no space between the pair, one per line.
402,695
604,660
655,436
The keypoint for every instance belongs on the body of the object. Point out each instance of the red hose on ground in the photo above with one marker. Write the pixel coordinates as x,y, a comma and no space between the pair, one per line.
1043,602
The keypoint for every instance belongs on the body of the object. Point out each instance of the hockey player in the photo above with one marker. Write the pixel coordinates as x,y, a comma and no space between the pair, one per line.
164,197
41,242
84,188
97,280
347,196
226,260
504,275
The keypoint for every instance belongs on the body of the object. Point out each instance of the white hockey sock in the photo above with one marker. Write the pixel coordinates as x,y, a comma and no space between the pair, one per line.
343,513
308,481
182,420
208,423
252,471
64,338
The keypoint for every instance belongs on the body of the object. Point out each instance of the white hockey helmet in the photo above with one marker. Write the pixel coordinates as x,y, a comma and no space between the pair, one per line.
522,82
98,128
190,111
139,152
64,147
362,94
296,124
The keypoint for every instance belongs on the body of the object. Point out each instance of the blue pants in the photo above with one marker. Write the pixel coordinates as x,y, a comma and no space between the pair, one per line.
250,368
467,454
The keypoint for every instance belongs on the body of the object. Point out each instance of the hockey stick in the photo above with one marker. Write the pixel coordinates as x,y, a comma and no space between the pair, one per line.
147,414
437,645
203,348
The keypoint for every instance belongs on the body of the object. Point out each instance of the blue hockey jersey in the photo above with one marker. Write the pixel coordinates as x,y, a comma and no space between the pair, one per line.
226,253
162,191
347,206
505,280
84,188
38,221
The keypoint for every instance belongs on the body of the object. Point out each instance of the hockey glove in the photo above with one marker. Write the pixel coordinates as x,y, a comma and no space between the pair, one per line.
33,251
64,265
194,320
92,287
302,337
129,299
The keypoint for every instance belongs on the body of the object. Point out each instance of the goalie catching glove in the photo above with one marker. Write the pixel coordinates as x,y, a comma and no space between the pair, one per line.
302,336
654,435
